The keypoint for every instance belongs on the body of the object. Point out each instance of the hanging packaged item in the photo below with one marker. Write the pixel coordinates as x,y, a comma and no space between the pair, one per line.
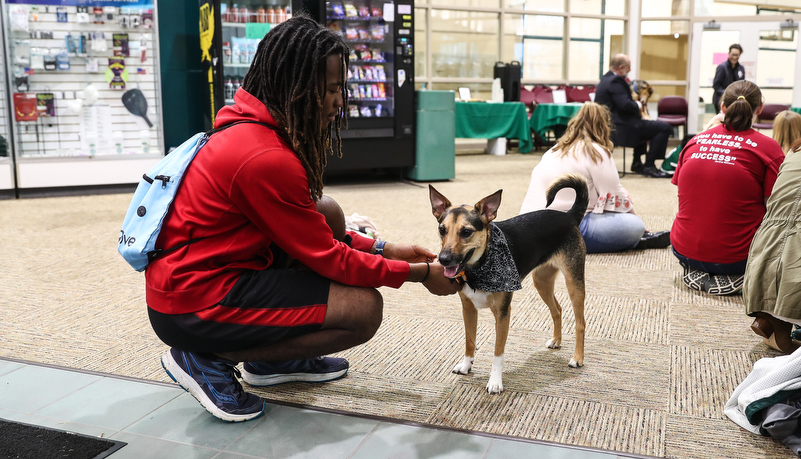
81,15
18,15
22,53
24,107
63,60
46,103
99,43
120,43
61,14
92,65
37,58
116,74
50,60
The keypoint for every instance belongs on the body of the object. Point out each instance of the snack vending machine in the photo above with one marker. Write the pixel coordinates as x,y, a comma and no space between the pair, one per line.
381,117
380,35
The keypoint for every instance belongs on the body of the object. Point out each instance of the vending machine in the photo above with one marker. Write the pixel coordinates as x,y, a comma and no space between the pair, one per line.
380,35
381,117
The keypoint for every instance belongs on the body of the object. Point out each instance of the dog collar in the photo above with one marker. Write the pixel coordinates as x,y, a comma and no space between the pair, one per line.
498,273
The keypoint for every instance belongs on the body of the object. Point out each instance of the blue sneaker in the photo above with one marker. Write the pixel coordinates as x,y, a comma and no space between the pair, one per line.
319,369
213,383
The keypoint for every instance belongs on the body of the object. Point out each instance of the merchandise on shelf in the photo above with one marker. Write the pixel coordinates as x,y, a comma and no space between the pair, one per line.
236,13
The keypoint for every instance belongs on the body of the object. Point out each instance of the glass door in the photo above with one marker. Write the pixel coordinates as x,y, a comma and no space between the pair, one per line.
769,56
244,24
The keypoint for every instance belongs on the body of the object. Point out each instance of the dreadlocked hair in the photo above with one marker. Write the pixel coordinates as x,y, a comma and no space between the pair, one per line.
288,76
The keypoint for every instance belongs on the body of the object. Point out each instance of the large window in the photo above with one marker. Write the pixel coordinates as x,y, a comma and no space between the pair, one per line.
536,42
555,41
775,73
464,44
664,55
610,7
717,8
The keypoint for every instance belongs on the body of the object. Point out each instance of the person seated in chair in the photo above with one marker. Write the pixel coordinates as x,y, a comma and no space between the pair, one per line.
630,129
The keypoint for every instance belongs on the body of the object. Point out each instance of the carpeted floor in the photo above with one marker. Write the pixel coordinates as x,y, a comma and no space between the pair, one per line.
661,360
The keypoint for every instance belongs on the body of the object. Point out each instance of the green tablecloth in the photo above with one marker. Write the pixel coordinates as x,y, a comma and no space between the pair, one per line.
552,116
482,120
796,109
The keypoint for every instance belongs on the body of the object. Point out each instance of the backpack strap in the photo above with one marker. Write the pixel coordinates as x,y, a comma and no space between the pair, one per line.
156,253
222,128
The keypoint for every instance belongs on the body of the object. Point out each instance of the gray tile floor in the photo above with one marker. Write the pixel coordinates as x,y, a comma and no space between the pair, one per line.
162,421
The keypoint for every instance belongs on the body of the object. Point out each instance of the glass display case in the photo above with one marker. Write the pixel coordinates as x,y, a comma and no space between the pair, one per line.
85,96
243,27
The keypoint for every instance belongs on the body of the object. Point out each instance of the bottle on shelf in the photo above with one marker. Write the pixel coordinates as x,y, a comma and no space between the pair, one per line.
280,15
228,89
261,15
237,84
233,13
235,53
271,14
227,53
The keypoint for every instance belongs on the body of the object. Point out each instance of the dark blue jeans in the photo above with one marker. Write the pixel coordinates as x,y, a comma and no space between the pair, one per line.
712,268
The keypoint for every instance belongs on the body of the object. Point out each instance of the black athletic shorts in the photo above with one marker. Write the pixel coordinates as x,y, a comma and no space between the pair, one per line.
262,308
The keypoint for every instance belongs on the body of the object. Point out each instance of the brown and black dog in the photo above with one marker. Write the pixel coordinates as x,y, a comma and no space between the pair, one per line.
642,91
495,257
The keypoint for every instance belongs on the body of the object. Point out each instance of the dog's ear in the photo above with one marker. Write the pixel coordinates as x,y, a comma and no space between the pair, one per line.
438,202
488,207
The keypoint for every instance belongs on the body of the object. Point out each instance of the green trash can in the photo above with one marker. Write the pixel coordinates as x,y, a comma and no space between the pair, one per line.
435,157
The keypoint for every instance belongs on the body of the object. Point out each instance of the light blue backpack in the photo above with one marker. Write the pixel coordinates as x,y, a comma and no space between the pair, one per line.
152,200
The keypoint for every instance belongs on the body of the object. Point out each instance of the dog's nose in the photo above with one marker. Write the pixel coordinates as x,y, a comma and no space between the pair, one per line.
445,258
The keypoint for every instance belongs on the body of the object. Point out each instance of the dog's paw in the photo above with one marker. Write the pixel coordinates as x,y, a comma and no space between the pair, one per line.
495,385
464,366
574,364
553,344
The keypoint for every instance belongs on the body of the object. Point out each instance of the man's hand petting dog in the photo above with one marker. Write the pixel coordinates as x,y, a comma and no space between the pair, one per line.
408,253
433,278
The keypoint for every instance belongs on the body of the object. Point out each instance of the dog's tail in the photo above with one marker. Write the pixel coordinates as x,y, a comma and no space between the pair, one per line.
578,183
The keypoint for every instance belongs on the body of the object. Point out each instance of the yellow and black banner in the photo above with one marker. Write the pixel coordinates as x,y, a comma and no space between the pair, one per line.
210,55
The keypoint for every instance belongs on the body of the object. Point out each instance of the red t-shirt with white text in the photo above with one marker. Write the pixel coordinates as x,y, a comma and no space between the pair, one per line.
723,178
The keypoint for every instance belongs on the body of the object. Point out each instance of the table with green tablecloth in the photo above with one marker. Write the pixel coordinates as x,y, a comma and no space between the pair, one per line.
555,117
484,120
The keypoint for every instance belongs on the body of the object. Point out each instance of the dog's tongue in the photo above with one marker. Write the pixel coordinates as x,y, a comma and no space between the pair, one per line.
451,271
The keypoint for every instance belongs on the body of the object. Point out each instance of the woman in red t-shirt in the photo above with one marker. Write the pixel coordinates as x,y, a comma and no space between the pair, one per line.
724,176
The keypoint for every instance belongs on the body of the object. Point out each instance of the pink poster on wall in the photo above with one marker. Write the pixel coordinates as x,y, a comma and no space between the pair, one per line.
717,58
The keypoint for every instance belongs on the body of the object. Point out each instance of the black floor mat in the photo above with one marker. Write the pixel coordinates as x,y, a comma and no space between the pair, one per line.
25,441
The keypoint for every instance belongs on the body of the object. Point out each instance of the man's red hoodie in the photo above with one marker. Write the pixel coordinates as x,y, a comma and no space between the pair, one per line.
244,190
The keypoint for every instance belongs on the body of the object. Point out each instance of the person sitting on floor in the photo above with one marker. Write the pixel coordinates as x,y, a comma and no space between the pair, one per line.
267,282
724,176
772,286
610,224
787,129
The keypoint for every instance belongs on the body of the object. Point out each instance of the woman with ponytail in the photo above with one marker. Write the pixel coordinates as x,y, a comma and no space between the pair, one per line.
724,176
610,224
